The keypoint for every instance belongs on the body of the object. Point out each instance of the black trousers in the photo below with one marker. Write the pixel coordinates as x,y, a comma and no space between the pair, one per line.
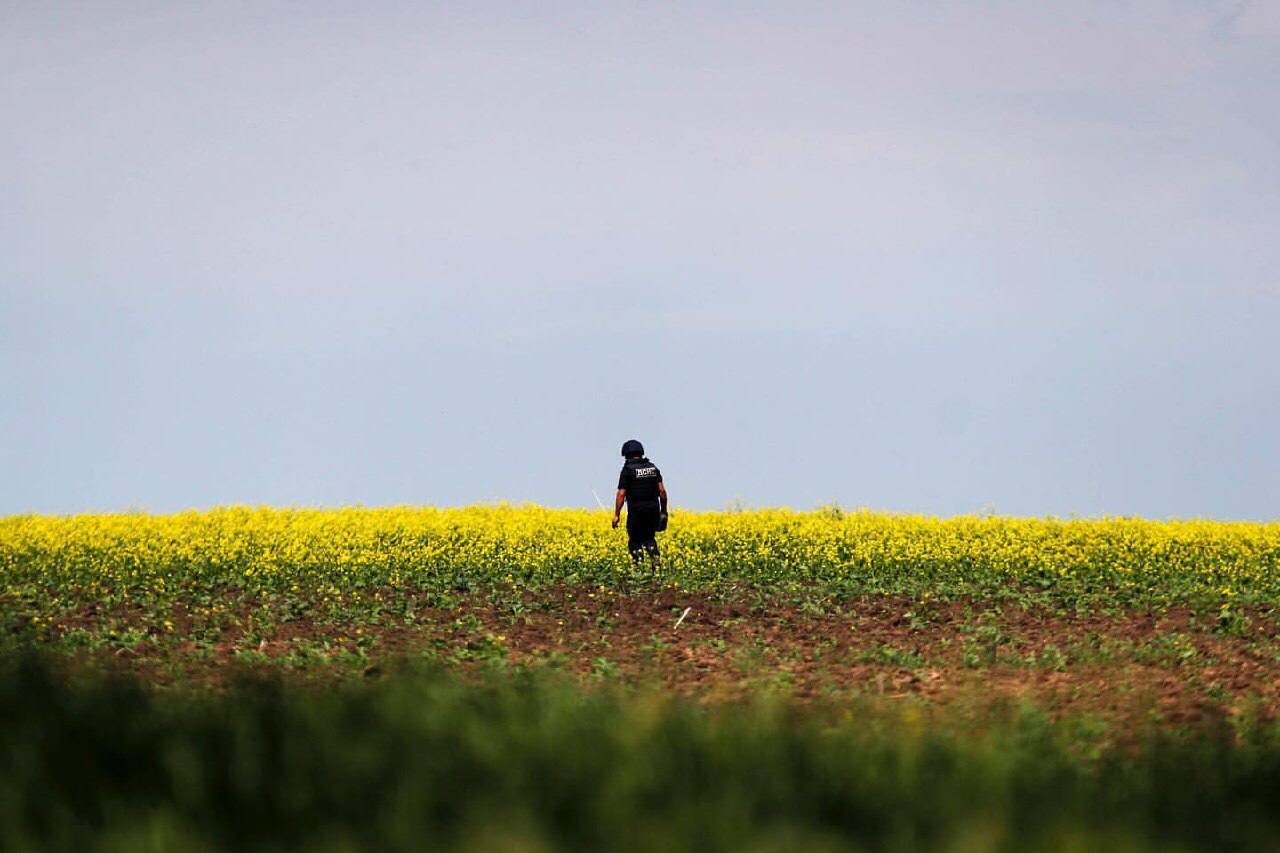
642,524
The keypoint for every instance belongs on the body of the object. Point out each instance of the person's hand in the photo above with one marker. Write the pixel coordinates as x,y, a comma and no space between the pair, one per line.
616,519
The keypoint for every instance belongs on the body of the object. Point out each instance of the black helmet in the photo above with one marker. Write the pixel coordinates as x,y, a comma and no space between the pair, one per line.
633,448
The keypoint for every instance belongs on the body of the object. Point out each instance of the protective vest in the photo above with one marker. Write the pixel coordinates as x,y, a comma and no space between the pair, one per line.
640,479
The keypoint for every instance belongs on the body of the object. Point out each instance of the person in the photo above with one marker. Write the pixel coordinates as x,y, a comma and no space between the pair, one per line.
640,487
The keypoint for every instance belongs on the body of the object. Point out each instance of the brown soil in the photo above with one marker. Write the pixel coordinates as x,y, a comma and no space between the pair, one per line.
1169,665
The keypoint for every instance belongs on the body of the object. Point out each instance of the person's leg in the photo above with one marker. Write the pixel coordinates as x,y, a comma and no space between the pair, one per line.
635,537
647,529
655,558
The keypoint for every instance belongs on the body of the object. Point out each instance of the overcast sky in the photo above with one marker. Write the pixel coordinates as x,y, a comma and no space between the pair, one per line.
933,257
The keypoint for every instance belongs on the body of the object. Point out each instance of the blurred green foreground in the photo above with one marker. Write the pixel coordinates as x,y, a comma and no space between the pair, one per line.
423,760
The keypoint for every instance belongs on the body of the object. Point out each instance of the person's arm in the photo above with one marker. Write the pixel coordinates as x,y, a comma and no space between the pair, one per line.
662,497
623,481
617,506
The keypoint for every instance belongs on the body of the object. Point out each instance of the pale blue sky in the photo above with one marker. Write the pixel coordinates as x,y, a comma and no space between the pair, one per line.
935,257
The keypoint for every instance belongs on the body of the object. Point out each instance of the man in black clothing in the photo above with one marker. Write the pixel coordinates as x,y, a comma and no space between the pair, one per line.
640,487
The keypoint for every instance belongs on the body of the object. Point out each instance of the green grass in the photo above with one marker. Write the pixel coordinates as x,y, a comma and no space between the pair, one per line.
424,760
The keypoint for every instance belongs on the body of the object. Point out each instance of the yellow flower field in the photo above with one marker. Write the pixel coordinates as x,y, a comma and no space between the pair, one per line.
294,550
